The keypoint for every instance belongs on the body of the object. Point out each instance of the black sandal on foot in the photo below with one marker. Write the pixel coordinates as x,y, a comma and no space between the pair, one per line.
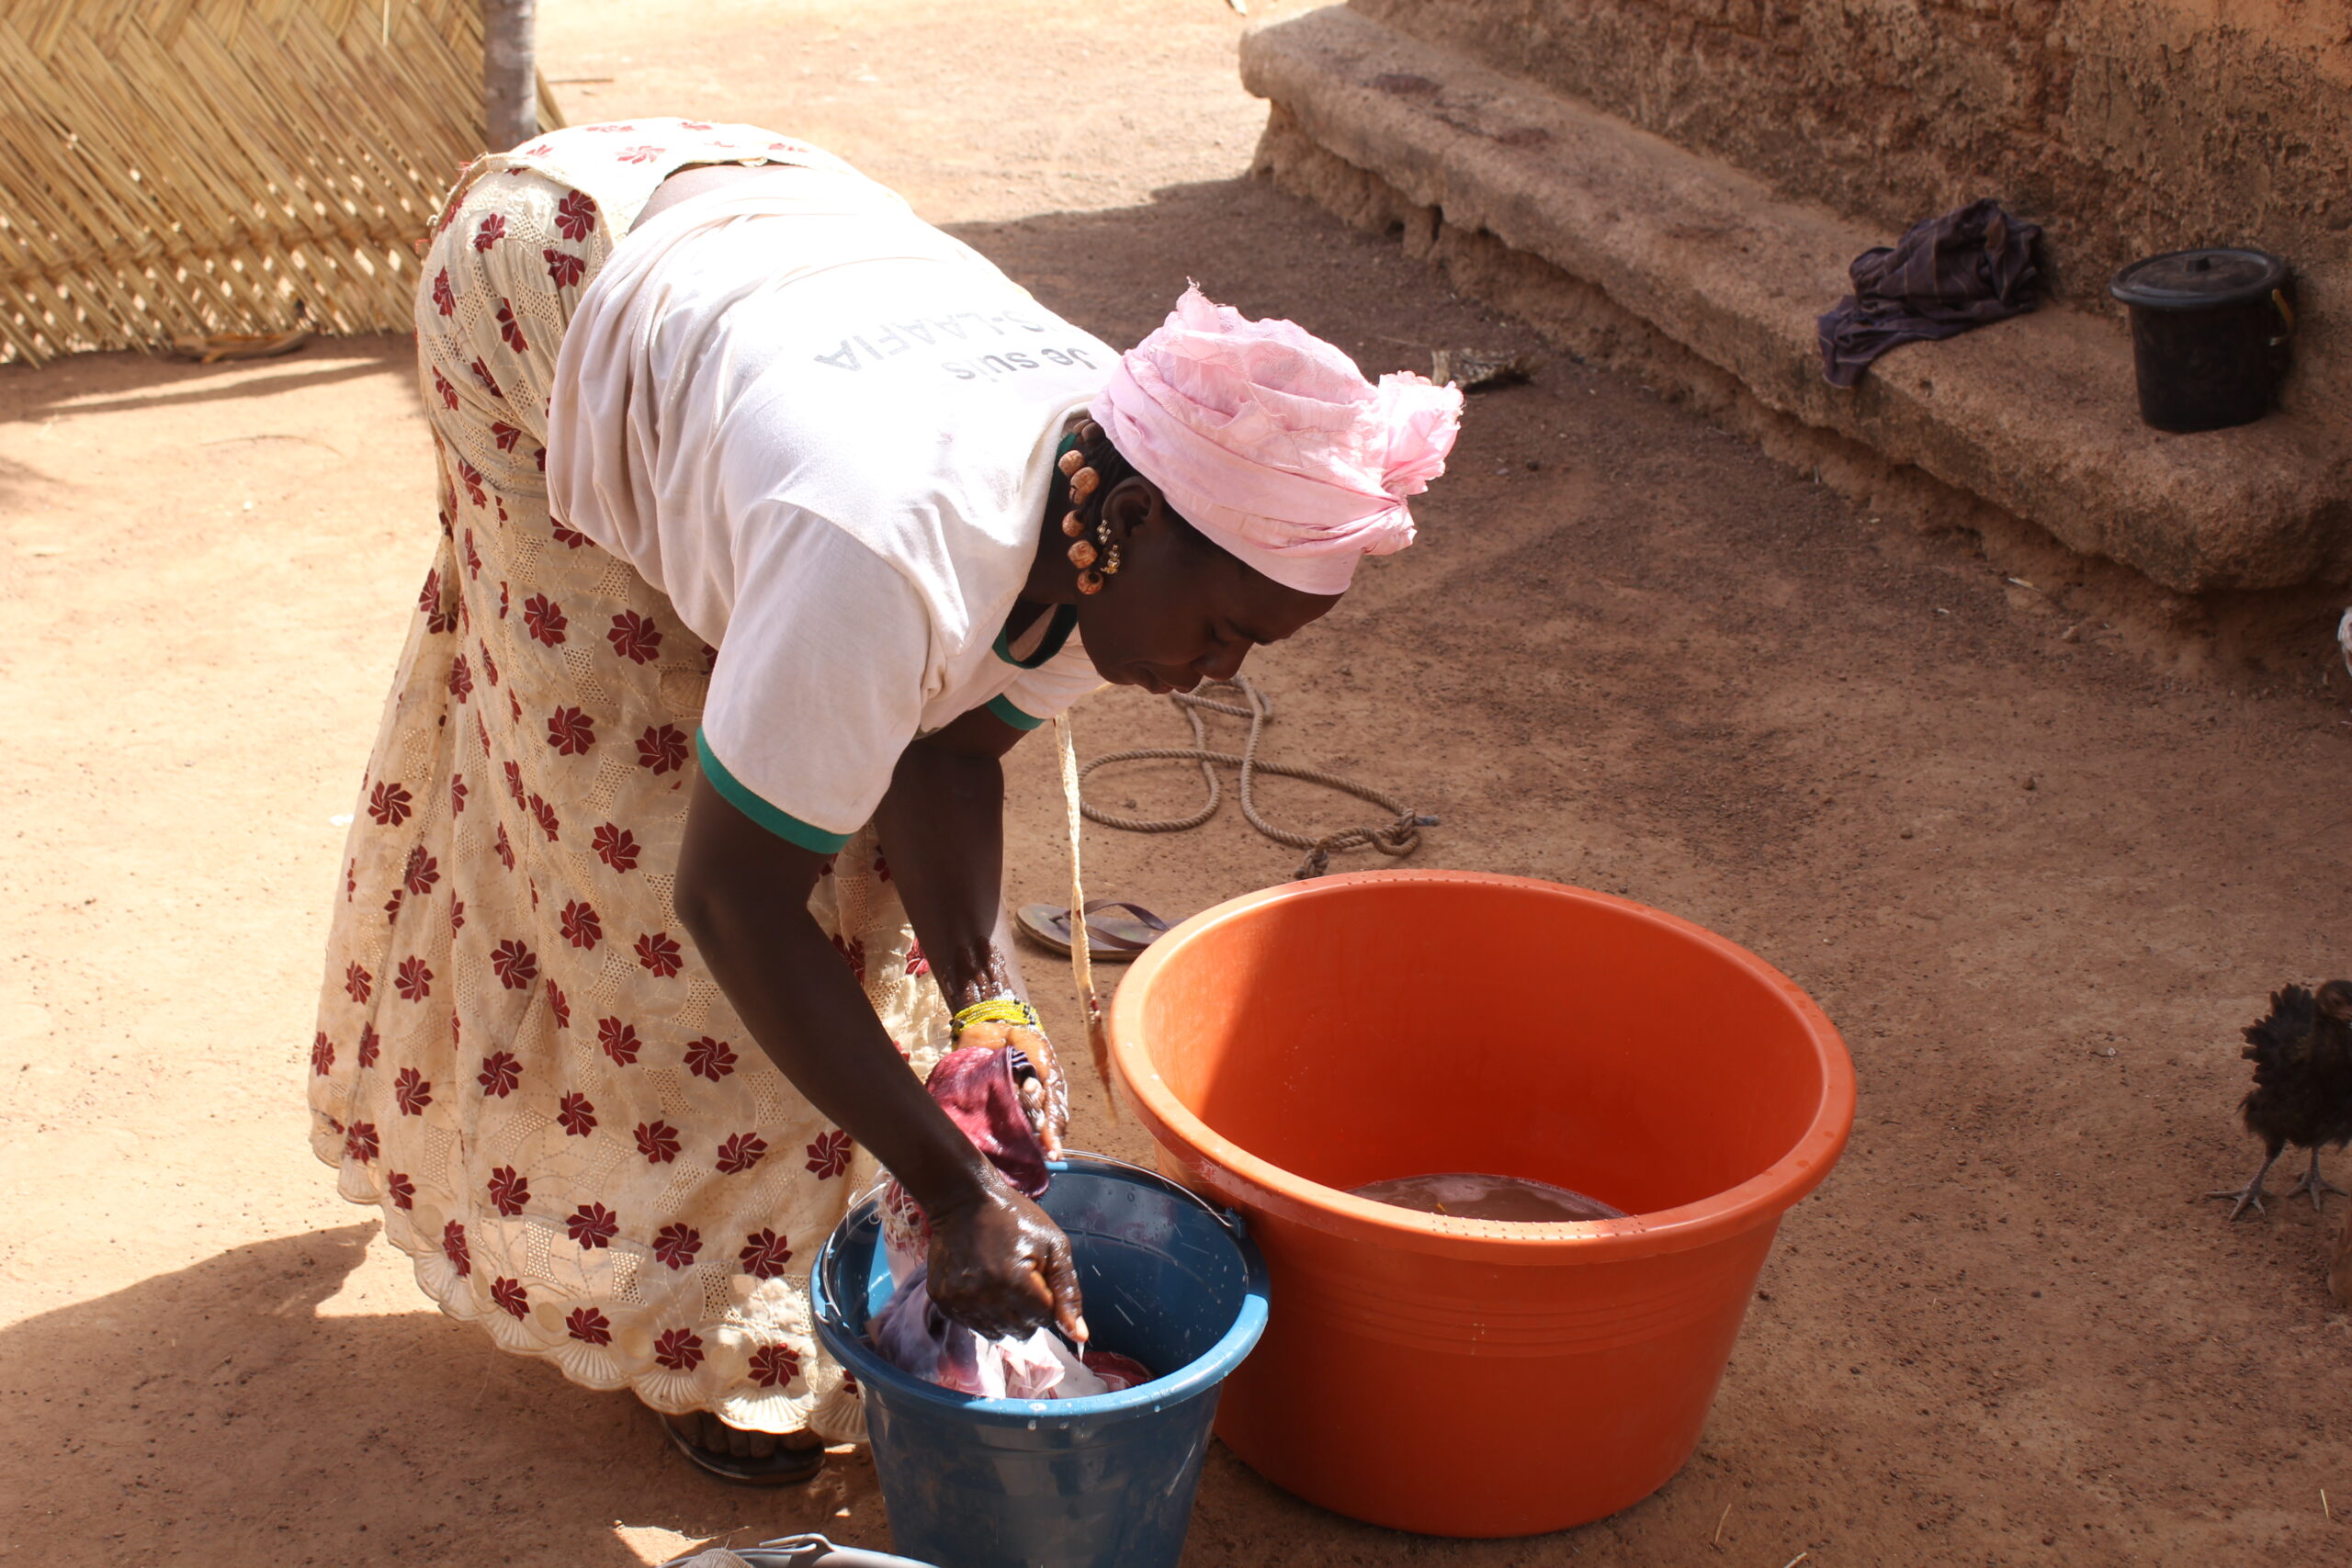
784,1467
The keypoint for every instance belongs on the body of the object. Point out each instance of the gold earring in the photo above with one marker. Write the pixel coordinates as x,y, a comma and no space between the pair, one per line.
1110,562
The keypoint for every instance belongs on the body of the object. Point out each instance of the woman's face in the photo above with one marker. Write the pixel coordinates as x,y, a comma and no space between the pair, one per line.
1179,611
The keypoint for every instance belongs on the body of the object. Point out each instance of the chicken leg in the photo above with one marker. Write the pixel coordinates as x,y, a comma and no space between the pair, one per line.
2315,1184
2251,1193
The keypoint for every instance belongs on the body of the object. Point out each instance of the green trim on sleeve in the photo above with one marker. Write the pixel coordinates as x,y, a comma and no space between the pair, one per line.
782,824
1002,708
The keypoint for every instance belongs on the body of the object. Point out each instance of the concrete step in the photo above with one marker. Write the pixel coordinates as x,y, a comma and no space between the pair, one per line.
2035,415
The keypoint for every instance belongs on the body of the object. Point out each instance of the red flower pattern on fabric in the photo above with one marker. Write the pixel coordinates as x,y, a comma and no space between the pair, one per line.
639,154
577,1115
445,299
514,771
510,330
589,1326
510,1297
708,1058
775,1366
392,904
505,434
829,1155
457,916
544,618
558,1006
456,794
741,1153
489,381
853,952
321,1055
454,1247
489,665
358,982
544,814
509,1191
575,216
635,637
661,747
421,873
515,965
593,1225
401,1191
619,1041
570,732
616,846
505,848
441,385
569,538
680,1350
473,558
658,954
916,962
414,1092
471,476
359,1142
390,804
370,1046
492,230
763,1255
414,981
501,1071
581,927
657,1142
461,686
564,269
675,1244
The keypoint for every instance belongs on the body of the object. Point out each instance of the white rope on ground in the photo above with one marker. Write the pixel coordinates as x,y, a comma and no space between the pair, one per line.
1400,835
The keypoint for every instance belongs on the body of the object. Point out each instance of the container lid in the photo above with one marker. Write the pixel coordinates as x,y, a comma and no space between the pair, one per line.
2198,280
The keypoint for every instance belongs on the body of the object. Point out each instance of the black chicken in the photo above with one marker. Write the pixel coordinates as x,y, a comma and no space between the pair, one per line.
2302,1084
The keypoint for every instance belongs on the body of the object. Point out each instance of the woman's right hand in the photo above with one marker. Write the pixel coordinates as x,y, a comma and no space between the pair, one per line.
1000,1267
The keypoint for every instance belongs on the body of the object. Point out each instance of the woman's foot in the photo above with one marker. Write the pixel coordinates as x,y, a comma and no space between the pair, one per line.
745,1458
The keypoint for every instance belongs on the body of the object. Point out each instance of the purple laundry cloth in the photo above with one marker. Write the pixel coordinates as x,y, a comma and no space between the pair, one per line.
1945,275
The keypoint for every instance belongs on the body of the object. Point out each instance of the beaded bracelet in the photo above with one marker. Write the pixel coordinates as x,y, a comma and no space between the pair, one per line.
996,1010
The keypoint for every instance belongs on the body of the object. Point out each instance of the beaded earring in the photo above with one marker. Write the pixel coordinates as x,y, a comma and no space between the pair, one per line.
1083,482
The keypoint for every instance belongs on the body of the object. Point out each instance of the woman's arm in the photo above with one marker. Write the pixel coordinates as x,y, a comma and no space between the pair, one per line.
942,825
997,1264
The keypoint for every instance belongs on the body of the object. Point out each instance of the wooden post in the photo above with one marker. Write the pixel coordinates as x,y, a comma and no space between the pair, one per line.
510,87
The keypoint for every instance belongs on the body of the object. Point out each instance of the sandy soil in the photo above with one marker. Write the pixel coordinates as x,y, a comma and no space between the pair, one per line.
2037,884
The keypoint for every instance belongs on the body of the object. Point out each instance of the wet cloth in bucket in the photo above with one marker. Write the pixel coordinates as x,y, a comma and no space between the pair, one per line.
987,1093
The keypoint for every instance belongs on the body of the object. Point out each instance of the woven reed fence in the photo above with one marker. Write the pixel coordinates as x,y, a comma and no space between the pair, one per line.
170,167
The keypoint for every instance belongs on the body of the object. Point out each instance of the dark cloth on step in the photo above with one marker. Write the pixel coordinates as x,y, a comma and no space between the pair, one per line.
1945,275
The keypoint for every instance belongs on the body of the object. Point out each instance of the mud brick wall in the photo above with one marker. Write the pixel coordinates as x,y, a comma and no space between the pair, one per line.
2124,127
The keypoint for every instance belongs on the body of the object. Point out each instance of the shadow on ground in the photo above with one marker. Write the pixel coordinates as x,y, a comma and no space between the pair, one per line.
218,1393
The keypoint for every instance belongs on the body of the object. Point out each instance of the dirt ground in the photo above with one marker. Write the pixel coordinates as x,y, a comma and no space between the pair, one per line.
2039,884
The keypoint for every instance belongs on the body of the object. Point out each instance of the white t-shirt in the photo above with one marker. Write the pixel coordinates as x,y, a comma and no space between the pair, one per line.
826,430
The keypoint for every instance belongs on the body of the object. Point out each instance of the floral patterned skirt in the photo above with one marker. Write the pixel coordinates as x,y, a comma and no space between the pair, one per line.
520,1058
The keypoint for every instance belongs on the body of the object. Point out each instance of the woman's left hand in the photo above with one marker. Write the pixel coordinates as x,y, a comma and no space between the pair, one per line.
1040,1052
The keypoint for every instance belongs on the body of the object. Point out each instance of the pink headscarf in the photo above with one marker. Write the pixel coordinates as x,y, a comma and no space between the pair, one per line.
1271,442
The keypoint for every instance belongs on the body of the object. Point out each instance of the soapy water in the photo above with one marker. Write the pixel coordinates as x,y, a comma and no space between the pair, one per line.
1469,1195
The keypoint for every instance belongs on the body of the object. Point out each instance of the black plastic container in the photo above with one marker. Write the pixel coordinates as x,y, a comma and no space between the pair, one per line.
2209,330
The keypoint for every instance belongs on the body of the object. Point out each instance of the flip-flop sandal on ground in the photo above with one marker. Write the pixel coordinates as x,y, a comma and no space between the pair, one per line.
1110,936
784,1467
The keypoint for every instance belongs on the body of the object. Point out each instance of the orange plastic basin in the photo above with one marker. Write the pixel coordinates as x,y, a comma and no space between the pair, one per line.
1454,1376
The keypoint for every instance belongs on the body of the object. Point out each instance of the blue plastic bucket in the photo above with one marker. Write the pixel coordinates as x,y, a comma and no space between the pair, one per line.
1063,1483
